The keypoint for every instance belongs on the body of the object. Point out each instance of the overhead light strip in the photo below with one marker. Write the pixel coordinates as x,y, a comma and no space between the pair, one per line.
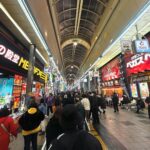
136,18
14,23
33,23
41,56
20,29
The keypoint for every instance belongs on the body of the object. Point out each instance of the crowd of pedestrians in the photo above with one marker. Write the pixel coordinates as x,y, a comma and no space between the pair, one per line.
66,114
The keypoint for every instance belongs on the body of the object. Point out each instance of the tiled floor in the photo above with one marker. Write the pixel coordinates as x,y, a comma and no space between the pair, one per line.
125,130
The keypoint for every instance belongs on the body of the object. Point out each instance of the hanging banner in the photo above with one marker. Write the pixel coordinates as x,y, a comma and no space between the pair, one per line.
90,75
126,46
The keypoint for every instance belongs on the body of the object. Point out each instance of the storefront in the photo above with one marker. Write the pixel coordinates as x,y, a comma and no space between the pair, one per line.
110,78
138,73
13,71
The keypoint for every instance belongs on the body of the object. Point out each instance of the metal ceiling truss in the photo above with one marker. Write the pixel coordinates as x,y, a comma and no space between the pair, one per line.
77,23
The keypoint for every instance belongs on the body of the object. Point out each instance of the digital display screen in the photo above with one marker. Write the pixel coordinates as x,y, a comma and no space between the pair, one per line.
134,90
6,86
144,91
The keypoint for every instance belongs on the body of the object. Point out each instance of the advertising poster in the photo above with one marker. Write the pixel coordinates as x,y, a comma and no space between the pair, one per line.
6,86
134,90
144,91
111,71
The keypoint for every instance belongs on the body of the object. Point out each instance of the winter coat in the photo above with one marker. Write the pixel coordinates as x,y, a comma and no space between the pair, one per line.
115,99
77,140
30,121
147,100
53,129
9,124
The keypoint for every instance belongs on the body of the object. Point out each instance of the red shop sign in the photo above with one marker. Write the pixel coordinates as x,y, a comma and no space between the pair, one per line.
111,70
137,63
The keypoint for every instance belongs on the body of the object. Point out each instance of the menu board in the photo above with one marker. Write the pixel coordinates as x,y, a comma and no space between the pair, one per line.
134,90
144,91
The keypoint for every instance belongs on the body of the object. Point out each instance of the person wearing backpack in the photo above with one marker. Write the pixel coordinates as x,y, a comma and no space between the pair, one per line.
73,137
30,122
8,128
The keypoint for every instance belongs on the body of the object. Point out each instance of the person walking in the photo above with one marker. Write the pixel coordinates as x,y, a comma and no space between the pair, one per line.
73,138
42,108
53,128
115,101
147,100
50,102
8,128
30,122
86,104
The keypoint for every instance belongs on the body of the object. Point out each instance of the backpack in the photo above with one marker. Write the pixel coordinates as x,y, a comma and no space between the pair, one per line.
68,141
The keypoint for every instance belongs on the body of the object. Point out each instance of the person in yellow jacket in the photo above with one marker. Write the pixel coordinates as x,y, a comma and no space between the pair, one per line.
30,123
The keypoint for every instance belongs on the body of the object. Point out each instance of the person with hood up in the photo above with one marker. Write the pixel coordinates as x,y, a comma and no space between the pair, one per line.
30,123
8,127
73,138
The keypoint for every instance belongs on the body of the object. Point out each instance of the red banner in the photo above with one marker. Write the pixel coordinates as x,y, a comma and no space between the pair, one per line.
111,70
137,63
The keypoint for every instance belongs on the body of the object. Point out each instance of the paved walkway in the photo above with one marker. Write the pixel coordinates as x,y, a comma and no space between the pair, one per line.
125,130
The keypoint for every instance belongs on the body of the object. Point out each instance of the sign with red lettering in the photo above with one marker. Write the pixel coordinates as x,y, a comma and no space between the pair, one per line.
137,63
111,71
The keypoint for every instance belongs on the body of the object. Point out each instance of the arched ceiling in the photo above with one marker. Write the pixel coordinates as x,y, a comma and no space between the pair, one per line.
92,24
77,21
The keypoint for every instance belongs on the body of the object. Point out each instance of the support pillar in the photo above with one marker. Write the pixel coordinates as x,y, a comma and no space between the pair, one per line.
31,68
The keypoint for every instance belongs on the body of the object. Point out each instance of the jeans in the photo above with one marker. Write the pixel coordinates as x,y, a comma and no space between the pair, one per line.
32,138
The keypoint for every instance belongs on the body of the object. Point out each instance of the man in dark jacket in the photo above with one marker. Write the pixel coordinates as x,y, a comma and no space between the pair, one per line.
115,101
53,128
148,102
30,123
73,138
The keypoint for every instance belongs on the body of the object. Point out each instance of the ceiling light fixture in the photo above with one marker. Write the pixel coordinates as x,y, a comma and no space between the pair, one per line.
20,29
30,18
75,43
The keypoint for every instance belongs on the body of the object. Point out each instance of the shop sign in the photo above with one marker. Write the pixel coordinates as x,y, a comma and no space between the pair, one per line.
142,46
137,63
20,61
9,54
111,71
140,79
96,73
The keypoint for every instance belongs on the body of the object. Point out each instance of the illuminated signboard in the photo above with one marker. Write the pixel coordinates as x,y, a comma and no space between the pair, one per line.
134,90
20,61
111,71
137,63
142,46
